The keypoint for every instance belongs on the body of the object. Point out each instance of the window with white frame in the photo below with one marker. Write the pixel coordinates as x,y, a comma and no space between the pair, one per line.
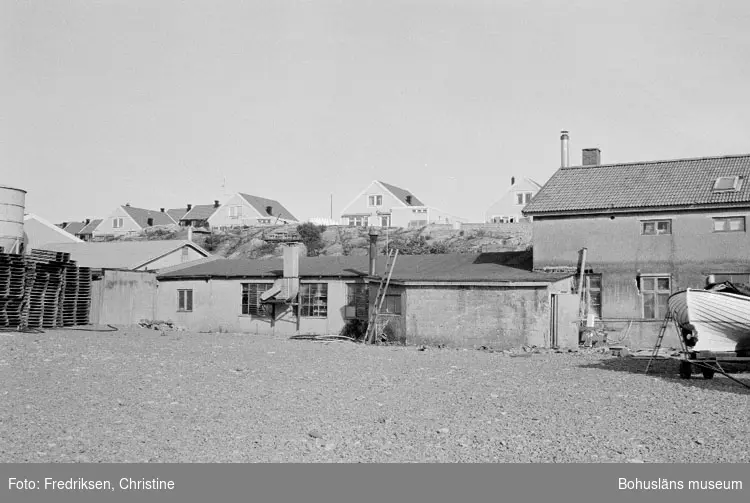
264,221
655,290
654,227
727,184
729,224
251,303
117,223
235,211
313,300
185,300
523,197
375,200
357,221
527,197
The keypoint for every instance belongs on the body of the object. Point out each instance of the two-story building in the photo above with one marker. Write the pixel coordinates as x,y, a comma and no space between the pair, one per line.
246,210
384,205
126,219
649,228
508,209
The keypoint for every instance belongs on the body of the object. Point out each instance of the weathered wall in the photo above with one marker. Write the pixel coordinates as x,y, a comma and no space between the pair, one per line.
618,251
217,306
470,317
173,258
123,297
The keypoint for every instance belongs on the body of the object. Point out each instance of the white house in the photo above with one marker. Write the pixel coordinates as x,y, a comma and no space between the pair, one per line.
384,205
128,219
508,208
246,210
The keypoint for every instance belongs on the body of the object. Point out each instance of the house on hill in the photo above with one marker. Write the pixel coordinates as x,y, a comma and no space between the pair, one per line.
128,219
245,210
469,300
384,205
87,233
650,229
508,209
198,215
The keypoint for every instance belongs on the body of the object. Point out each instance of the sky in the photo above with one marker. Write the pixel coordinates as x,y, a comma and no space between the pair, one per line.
161,104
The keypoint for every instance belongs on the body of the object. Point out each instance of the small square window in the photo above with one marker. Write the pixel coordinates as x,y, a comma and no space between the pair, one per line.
375,200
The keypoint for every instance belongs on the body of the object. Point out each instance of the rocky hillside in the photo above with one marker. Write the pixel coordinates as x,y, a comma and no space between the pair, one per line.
262,242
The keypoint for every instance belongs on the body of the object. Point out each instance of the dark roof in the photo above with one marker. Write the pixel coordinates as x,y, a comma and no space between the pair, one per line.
501,267
655,185
261,203
177,213
401,194
119,254
200,212
74,227
141,216
91,226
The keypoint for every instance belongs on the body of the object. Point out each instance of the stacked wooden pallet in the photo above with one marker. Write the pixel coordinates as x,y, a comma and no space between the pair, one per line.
43,288
83,297
12,275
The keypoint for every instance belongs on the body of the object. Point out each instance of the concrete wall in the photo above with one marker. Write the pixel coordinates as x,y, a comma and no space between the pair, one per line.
617,250
173,258
470,317
123,297
217,306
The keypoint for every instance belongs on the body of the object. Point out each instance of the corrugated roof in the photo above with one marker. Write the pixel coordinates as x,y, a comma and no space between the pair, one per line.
200,212
261,203
74,227
119,254
642,186
401,194
91,227
497,267
141,216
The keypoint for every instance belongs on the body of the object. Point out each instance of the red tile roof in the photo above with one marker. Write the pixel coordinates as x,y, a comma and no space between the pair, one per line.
639,186
261,204
497,267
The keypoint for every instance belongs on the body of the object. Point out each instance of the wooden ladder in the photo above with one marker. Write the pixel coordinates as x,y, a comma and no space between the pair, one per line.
659,339
385,280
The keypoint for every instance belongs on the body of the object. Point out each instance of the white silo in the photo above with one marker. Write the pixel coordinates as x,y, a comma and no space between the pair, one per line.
12,205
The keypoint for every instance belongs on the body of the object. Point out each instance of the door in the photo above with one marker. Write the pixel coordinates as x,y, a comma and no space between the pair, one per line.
564,320
385,220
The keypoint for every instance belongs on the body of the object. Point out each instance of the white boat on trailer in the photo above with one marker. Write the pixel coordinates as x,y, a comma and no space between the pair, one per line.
712,320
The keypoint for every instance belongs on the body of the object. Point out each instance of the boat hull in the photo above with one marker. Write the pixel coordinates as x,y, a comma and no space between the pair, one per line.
721,320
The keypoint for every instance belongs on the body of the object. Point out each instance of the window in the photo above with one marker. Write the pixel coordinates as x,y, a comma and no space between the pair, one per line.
263,221
185,253
385,221
592,293
654,227
729,224
419,210
235,211
185,300
727,184
523,197
392,304
117,223
655,290
356,301
375,200
358,221
313,300
251,298
417,223
527,197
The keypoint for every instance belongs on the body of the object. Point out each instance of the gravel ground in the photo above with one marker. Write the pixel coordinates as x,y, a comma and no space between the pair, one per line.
137,396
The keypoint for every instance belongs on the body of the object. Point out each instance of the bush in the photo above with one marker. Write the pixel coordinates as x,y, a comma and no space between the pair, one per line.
417,246
310,234
356,329
212,242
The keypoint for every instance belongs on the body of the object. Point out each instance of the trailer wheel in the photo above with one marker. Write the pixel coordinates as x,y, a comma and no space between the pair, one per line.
686,369
708,373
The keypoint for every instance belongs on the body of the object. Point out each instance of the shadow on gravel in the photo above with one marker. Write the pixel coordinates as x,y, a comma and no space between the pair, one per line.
669,369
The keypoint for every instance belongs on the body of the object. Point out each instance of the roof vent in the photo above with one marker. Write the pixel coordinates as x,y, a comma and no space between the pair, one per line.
727,184
591,157
269,210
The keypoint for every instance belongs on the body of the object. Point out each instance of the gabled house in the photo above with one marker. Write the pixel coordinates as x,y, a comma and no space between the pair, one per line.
87,233
130,255
198,215
73,227
128,219
650,229
384,205
507,209
38,231
245,210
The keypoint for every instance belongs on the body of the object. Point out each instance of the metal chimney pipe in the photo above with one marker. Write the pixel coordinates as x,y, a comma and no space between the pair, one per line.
373,251
564,152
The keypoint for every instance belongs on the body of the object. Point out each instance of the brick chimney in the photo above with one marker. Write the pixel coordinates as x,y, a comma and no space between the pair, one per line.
373,251
88,221
216,203
408,199
269,210
591,157
564,153
161,209
189,207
